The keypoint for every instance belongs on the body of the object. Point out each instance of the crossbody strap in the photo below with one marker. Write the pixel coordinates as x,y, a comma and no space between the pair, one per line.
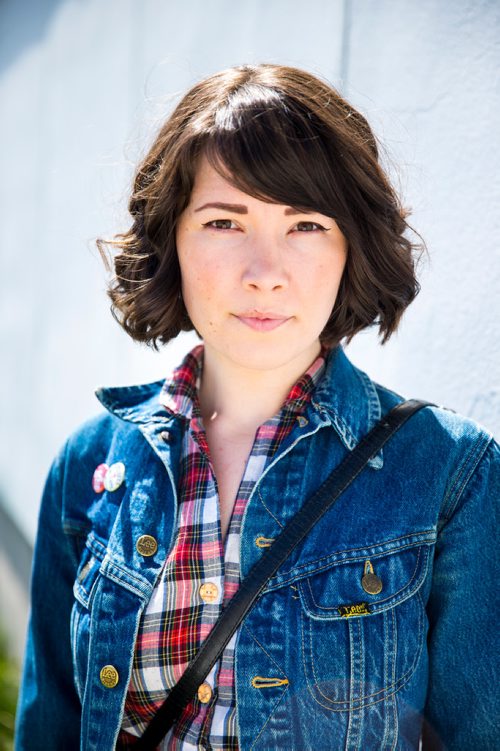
253,584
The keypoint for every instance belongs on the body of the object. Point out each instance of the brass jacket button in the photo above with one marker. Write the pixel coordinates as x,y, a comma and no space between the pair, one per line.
204,693
109,676
371,583
209,592
146,545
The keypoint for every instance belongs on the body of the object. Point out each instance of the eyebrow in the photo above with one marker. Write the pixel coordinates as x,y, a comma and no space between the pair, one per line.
239,208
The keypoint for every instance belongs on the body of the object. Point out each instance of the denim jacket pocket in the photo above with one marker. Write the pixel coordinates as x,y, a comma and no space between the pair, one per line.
88,570
84,587
364,624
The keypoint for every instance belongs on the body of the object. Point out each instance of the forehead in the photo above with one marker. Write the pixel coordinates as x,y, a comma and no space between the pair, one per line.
211,189
208,180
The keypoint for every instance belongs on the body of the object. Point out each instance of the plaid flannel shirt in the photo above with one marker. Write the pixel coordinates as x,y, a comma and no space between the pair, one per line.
200,575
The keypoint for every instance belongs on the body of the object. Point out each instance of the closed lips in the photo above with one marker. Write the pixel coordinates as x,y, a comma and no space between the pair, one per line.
262,321
262,316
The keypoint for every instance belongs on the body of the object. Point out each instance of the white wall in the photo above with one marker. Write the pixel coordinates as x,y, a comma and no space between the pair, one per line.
83,84
427,71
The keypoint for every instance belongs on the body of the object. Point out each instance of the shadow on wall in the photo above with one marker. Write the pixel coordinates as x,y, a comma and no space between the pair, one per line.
15,571
9,686
23,26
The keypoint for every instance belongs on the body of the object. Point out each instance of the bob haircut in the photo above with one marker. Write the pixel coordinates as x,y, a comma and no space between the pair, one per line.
284,136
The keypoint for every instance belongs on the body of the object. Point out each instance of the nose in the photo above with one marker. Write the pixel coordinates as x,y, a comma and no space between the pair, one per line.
264,266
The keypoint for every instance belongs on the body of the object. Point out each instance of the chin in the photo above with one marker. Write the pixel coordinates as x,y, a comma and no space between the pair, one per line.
271,355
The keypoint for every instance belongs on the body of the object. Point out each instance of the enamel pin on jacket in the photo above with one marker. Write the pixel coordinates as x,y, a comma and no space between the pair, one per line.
381,619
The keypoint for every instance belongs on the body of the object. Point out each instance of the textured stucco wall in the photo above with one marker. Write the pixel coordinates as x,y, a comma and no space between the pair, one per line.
427,71
82,87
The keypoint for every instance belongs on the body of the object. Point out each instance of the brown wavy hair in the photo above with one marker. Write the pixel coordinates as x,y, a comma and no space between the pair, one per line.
281,135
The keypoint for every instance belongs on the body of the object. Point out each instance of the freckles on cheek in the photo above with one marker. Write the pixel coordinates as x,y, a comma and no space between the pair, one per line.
203,278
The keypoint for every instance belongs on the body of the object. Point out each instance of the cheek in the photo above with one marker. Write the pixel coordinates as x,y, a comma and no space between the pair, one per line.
323,287
192,270
205,272
202,290
200,282
331,272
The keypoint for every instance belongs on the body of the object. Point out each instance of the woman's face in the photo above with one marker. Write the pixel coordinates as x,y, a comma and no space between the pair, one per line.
259,280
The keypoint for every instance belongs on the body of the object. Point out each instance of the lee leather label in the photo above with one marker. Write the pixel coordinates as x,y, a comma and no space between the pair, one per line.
360,608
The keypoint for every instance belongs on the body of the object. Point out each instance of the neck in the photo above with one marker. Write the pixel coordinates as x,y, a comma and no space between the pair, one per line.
241,399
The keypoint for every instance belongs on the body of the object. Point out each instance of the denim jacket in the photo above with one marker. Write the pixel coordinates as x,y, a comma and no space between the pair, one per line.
321,663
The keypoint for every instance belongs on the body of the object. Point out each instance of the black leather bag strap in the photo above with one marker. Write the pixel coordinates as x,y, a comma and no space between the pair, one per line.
253,584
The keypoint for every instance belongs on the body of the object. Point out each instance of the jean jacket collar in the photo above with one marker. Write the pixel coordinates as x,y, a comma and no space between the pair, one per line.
346,398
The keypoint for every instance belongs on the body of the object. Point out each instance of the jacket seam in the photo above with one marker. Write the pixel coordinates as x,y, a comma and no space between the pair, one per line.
300,572
386,691
463,476
259,494
282,693
385,599
126,579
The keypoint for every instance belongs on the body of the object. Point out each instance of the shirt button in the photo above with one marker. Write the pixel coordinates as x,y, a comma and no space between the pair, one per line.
204,693
209,592
109,676
114,477
146,545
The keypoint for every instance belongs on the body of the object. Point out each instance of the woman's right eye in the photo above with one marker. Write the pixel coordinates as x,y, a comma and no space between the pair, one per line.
221,224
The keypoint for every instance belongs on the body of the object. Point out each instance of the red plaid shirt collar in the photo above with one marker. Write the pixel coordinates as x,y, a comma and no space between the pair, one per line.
179,395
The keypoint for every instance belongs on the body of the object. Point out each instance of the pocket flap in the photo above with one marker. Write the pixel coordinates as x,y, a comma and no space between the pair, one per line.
88,570
345,590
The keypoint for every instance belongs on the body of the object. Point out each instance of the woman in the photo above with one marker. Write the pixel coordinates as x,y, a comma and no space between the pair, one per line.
263,220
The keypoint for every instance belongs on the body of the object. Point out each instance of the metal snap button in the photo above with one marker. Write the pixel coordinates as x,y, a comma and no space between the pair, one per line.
165,435
109,676
371,583
209,592
204,693
146,545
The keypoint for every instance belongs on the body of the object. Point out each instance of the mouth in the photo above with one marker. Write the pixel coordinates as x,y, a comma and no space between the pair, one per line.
262,321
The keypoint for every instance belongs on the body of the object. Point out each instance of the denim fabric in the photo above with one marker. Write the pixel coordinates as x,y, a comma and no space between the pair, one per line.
416,658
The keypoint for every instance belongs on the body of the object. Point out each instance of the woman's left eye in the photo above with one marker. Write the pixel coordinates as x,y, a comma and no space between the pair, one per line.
220,224
309,227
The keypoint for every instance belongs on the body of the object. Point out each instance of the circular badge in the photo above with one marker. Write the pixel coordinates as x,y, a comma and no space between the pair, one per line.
98,477
114,476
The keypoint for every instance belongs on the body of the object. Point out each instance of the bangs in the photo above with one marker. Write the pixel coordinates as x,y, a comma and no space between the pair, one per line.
281,135
265,145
